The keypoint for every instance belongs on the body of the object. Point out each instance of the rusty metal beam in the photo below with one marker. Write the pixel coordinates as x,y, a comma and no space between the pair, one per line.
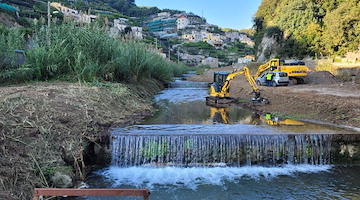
90,192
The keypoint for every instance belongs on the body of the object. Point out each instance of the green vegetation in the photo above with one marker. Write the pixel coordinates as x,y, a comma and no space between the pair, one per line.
309,27
250,32
293,116
75,53
111,7
10,40
154,149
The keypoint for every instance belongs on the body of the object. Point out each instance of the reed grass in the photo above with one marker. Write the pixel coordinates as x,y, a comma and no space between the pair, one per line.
87,53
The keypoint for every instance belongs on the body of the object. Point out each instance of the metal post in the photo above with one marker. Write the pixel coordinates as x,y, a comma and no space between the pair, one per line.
169,53
39,192
178,54
48,14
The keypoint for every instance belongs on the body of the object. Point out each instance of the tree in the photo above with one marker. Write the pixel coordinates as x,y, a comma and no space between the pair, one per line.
342,28
310,26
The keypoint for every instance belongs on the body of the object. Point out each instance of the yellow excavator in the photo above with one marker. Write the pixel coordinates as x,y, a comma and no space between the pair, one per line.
221,115
296,71
220,88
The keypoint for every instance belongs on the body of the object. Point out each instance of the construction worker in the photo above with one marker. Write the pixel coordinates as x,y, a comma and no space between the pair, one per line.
268,116
268,79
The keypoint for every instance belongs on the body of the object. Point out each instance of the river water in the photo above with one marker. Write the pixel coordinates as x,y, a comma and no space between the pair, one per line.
188,150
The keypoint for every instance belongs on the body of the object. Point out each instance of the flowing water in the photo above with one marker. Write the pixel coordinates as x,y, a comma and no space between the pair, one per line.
188,150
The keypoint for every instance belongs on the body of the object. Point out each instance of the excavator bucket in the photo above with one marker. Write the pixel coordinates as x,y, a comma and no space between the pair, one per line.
219,102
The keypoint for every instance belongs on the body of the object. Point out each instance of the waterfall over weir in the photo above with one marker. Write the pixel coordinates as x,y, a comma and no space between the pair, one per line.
220,150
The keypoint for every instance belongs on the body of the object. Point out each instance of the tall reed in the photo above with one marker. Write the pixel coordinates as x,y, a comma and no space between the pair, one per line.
87,53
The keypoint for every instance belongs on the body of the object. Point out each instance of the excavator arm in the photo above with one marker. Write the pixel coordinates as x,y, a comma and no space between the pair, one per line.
266,66
224,92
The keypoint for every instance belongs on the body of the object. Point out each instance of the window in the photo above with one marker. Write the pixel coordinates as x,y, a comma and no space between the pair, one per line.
283,75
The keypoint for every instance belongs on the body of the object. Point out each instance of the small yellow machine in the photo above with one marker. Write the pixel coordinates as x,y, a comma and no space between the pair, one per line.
296,71
220,88
275,121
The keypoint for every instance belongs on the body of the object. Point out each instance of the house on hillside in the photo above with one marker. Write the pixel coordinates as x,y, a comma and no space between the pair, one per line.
213,39
65,10
212,62
195,36
246,59
73,14
164,14
137,32
252,57
182,22
233,36
246,40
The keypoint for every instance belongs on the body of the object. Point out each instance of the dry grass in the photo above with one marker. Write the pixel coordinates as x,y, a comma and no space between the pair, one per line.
46,125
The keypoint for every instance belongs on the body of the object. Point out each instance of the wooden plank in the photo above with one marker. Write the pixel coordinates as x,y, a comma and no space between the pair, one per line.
90,192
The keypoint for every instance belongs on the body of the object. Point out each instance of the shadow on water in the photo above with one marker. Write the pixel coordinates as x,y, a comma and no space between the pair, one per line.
188,150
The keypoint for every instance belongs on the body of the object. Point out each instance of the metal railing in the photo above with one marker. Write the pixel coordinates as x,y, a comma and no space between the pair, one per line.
39,192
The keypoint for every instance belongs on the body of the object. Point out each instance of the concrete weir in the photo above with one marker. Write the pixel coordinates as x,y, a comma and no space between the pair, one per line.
187,146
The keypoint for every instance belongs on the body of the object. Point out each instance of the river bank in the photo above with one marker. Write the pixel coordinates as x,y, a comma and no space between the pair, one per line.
324,98
59,128
48,130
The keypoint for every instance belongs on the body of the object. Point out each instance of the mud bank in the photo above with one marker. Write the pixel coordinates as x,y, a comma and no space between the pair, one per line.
51,132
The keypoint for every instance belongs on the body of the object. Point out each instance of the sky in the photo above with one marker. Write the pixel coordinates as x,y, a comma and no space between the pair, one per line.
235,14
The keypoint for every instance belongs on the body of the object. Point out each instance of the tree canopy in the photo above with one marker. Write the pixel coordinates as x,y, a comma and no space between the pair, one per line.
329,27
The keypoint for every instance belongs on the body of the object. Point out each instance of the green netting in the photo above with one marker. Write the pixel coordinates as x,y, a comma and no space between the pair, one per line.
7,7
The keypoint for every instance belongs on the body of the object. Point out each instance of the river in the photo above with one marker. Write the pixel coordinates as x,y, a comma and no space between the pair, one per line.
188,150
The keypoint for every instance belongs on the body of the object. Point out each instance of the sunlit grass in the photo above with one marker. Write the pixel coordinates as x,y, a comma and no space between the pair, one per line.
87,53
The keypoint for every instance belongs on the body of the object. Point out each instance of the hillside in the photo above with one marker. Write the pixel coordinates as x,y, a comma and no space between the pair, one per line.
177,35
309,27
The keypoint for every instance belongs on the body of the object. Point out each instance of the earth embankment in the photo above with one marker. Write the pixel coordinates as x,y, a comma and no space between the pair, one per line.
324,98
46,129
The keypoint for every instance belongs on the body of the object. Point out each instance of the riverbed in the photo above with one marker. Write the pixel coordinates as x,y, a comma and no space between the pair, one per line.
188,150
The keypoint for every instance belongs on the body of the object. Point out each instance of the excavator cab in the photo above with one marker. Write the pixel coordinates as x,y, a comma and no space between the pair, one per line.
219,80
274,64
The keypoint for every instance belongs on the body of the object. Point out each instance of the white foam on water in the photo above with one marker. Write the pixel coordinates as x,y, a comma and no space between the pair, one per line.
193,177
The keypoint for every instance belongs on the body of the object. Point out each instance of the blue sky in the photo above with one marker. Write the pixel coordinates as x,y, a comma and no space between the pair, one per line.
235,14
